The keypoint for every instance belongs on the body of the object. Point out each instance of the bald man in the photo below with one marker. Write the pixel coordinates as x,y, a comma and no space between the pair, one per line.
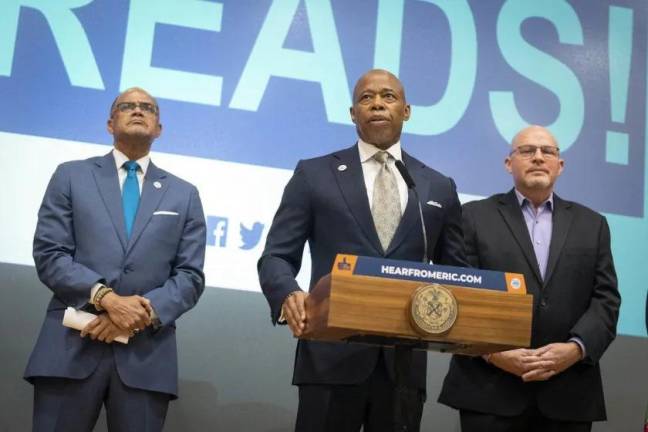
355,201
125,240
563,249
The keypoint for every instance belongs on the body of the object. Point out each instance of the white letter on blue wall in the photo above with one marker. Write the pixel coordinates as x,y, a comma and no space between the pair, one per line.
70,37
389,35
446,113
140,36
269,58
540,68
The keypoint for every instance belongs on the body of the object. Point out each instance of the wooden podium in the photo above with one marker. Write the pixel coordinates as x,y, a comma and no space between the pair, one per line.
369,300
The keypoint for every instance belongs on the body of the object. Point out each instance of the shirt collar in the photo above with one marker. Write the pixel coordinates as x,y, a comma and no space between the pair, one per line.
120,158
522,200
367,151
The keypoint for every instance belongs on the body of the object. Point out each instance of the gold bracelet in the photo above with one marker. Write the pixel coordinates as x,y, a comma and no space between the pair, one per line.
101,293
93,300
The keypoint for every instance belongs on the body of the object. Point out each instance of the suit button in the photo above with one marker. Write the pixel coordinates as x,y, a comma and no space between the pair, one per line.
543,303
128,268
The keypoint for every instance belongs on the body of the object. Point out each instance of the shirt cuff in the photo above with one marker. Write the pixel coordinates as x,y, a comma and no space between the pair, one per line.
282,317
93,291
580,343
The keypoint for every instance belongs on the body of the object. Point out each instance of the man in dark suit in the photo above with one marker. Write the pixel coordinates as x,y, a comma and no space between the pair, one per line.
354,201
563,249
125,240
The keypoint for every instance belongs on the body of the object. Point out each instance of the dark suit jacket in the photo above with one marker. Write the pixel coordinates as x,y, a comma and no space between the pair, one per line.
329,208
579,298
81,240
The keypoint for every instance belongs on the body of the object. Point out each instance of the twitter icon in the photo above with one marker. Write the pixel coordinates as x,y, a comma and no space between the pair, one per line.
251,236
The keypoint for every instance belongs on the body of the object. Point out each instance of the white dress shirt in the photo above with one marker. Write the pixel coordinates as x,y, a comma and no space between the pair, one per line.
121,158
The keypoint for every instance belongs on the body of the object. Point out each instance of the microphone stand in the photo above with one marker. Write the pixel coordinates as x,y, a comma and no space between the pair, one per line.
406,396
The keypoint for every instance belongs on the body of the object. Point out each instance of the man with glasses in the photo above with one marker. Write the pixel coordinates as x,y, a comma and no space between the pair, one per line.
122,239
563,249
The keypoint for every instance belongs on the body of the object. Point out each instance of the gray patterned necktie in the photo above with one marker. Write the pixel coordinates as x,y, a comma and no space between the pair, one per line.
385,205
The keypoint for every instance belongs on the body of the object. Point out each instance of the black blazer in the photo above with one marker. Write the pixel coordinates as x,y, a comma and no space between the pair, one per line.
325,204
578,298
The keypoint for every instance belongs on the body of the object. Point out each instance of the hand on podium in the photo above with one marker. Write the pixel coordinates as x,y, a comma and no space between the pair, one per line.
294,311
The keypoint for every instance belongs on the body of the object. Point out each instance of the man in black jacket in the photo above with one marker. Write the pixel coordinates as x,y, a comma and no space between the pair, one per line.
563,249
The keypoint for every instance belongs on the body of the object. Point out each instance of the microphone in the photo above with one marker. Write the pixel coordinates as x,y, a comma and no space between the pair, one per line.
409,181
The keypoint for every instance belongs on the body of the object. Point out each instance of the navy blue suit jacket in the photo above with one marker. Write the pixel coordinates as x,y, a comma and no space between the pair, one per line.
81,240
329,208
577,298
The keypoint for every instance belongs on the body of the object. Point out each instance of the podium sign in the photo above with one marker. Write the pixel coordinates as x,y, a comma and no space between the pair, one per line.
443,308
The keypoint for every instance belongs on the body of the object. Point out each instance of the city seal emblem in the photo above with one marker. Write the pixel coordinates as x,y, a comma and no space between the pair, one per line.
433,309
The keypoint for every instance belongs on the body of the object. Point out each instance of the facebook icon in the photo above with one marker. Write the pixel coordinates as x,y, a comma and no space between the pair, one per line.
216,231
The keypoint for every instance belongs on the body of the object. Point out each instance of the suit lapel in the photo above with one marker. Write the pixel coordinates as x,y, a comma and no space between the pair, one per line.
562,219
410,217
105,174
512,213
153,190
351,183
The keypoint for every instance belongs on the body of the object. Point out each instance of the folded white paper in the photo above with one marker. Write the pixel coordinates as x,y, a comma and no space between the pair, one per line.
77,319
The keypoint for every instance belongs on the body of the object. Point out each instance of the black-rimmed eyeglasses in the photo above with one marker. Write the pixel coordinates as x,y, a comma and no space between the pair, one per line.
130,106
528,151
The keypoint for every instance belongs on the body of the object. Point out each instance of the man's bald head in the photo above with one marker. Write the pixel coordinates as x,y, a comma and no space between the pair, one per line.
530,131
379,108
534,162
374,72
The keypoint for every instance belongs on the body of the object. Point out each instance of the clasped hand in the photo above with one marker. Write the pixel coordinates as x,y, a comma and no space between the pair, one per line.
538,364
102,329
128,313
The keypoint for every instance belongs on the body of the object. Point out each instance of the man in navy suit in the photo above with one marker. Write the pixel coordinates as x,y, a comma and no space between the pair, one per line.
123,239
354,201
563,249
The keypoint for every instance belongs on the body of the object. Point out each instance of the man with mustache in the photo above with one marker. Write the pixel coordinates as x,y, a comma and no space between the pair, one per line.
354,201
563,249
125,240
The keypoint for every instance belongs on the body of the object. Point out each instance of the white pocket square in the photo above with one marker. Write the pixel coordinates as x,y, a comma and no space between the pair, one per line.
164,212
434,203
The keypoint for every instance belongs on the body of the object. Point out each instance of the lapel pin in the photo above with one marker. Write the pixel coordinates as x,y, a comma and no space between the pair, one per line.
342,168
157,185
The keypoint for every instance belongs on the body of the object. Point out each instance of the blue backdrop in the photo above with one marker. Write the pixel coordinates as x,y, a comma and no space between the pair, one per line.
266,83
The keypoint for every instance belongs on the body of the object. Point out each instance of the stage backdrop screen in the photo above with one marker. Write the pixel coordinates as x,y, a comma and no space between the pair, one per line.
249,87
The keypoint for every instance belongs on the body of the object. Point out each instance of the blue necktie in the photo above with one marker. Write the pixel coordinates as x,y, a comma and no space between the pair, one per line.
130,195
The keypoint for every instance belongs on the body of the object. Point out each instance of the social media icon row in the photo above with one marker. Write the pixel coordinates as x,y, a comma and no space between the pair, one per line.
217,233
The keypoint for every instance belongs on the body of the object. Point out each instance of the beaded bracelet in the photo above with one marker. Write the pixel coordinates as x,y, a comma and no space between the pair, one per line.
101,293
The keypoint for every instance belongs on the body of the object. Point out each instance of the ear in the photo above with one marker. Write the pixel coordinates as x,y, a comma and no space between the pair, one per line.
407,112
561,166
507,165
158,130
109,125
353,117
